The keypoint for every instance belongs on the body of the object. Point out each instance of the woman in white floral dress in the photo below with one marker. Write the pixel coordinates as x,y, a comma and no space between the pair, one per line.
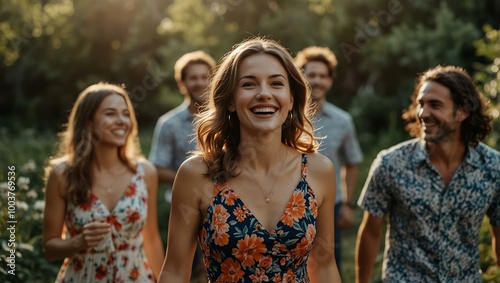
100,210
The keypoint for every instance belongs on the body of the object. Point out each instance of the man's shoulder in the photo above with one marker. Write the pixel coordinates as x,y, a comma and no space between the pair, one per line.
174,116
336,112
488,155
401,150
488,151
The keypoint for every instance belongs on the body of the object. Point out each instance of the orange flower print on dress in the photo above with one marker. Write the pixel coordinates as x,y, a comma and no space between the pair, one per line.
259,276
229,196
302,247
231,271
265,262
249,250
312,204
279,248
283,261
289,276
219,220
240,214
236,248
203,244
130,191
310,233
295,209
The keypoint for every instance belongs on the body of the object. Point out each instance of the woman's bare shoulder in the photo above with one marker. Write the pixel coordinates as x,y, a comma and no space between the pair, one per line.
320,175
193,171
191,181
318,163
194,164
56,176
147,165
57,168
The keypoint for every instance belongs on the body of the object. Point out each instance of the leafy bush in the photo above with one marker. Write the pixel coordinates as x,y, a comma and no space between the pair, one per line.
24,155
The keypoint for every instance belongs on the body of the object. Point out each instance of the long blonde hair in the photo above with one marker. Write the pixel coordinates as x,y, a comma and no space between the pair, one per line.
218,131
77,141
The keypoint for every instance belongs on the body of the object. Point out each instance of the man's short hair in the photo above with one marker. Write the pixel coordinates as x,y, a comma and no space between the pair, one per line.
195,57
317,53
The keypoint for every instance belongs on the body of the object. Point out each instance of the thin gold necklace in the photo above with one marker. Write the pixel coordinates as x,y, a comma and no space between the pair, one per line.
266,198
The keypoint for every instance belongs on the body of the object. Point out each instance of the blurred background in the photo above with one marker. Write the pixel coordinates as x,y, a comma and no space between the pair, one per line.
51,50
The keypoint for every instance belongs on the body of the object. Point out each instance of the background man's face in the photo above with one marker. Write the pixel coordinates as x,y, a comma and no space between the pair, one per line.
316,73
196,82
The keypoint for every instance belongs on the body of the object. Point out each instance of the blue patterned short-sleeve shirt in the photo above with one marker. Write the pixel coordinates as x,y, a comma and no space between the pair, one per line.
433,232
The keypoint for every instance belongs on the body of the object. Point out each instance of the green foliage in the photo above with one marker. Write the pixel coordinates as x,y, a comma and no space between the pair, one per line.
419,46
26,153
491,272
377,126
488,76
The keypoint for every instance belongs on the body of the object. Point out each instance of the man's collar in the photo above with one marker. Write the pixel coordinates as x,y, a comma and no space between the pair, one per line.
420,154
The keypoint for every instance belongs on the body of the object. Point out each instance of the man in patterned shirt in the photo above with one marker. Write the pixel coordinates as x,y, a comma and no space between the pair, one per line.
336,125
434,190
173,134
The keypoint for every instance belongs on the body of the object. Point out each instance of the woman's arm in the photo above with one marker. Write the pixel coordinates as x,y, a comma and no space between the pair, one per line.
185,218
153,245
321,177
54,246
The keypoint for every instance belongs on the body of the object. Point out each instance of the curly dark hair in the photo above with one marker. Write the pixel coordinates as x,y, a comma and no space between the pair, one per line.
464,94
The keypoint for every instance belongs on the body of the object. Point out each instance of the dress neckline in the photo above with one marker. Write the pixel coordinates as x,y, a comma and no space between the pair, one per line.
122,197
276,227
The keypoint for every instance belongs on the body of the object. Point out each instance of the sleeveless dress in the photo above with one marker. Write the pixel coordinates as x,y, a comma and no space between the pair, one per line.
237,248
119,257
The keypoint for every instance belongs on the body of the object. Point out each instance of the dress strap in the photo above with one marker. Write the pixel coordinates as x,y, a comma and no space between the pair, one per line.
304,166
140,169
218,187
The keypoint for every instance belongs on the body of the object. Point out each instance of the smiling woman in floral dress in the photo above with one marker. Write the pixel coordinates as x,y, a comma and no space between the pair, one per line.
257,195
102,194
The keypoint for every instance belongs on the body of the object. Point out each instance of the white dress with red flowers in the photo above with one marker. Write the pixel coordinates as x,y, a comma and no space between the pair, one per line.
120,257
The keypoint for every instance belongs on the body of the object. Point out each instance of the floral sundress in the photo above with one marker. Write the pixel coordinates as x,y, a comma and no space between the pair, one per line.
119,257
237,248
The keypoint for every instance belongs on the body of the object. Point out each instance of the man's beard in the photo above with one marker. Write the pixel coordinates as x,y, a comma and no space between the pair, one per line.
444,132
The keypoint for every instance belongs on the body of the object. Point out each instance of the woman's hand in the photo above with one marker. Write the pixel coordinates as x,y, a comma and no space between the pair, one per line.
94,232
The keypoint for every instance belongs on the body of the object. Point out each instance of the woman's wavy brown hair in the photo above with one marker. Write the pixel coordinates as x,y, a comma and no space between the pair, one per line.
218,133
464,95
76,143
